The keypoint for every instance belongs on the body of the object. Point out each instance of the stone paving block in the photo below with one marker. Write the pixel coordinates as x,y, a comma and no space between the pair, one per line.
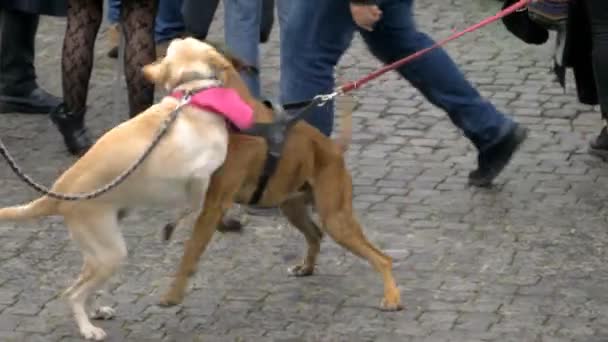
524,261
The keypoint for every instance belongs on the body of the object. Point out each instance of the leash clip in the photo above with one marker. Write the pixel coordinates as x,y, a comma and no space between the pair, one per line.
323,98
186,98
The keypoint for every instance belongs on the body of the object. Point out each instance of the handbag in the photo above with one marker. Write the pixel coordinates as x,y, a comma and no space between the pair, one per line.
520,24
551,14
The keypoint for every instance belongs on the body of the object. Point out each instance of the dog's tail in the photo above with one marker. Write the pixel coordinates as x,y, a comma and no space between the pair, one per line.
345,105
43,206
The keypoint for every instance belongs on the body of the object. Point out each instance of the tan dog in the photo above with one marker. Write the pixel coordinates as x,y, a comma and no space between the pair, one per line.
177,172
311,171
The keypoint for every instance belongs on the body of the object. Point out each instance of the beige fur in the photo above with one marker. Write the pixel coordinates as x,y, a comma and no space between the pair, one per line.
177,172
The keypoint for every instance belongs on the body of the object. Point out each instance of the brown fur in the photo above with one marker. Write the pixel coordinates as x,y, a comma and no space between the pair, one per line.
312,170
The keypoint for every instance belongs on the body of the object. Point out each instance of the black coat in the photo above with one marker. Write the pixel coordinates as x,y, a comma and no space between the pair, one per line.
577,53
42,7
577,47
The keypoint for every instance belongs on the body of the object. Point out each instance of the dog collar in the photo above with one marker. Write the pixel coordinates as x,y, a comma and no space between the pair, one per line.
223,101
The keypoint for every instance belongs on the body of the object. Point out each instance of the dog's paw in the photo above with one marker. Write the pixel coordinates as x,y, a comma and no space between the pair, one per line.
302,270
389,306
91,332
170,299
103,313
230,225
168,230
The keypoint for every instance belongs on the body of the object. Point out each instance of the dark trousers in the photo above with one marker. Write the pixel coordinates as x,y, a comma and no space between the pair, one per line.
198,16
17,37
598,17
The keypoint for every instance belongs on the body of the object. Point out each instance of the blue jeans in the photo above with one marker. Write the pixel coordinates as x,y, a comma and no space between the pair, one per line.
318,32
169,22
242,21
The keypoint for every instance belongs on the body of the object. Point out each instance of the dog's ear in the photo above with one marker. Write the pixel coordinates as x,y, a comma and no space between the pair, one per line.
219,63
237,63
155,72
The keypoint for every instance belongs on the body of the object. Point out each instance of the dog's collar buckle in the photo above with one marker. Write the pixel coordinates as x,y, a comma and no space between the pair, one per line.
185,99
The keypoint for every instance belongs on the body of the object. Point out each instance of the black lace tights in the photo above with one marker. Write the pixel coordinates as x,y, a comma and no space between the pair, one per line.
84,19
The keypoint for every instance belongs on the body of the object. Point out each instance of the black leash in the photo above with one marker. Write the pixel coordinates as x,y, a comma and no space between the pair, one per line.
162,131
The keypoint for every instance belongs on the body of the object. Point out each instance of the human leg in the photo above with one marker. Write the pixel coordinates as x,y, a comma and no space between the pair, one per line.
169,23
312,41
198,16
113,30
19,91
138,27
438,78
242,19
83,21
597,11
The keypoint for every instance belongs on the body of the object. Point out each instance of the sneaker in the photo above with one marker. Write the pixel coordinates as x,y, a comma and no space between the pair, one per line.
599,146
493,161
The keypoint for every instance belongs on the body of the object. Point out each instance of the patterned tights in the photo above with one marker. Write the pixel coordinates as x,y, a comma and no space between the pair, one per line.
84,19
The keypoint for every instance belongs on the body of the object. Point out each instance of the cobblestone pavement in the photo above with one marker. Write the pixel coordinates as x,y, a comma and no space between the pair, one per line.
521,262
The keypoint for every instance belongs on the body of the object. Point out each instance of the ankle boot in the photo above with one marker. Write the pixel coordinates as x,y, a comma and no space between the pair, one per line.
599,146
71,126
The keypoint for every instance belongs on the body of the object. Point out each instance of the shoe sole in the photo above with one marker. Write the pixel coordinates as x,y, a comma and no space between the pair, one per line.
23,109
602,154
487,181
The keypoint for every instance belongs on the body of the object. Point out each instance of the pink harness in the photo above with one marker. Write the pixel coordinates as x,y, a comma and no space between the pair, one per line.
223,101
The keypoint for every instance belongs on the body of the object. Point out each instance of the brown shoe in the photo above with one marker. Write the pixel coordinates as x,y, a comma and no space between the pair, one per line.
113,40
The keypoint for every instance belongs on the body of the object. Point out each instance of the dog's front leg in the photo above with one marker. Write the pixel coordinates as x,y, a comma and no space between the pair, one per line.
203,230
218,199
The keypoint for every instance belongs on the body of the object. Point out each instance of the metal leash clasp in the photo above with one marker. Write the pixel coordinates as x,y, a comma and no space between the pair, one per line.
322,99
185,99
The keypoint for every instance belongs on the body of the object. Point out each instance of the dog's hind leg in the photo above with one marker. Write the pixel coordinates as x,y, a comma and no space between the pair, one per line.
296,211
104,248
335,209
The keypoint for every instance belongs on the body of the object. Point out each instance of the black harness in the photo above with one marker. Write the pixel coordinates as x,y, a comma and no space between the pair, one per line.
275,134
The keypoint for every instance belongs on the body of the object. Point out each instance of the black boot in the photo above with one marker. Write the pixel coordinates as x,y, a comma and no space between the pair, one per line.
71,126
599,146
492,161
19,92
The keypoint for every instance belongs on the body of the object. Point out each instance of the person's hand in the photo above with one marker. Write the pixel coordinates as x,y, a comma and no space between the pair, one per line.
365,16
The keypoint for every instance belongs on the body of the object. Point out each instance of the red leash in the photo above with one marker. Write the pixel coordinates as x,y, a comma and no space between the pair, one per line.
357,84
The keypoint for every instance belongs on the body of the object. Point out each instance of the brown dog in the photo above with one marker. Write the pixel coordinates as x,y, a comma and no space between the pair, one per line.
311,170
